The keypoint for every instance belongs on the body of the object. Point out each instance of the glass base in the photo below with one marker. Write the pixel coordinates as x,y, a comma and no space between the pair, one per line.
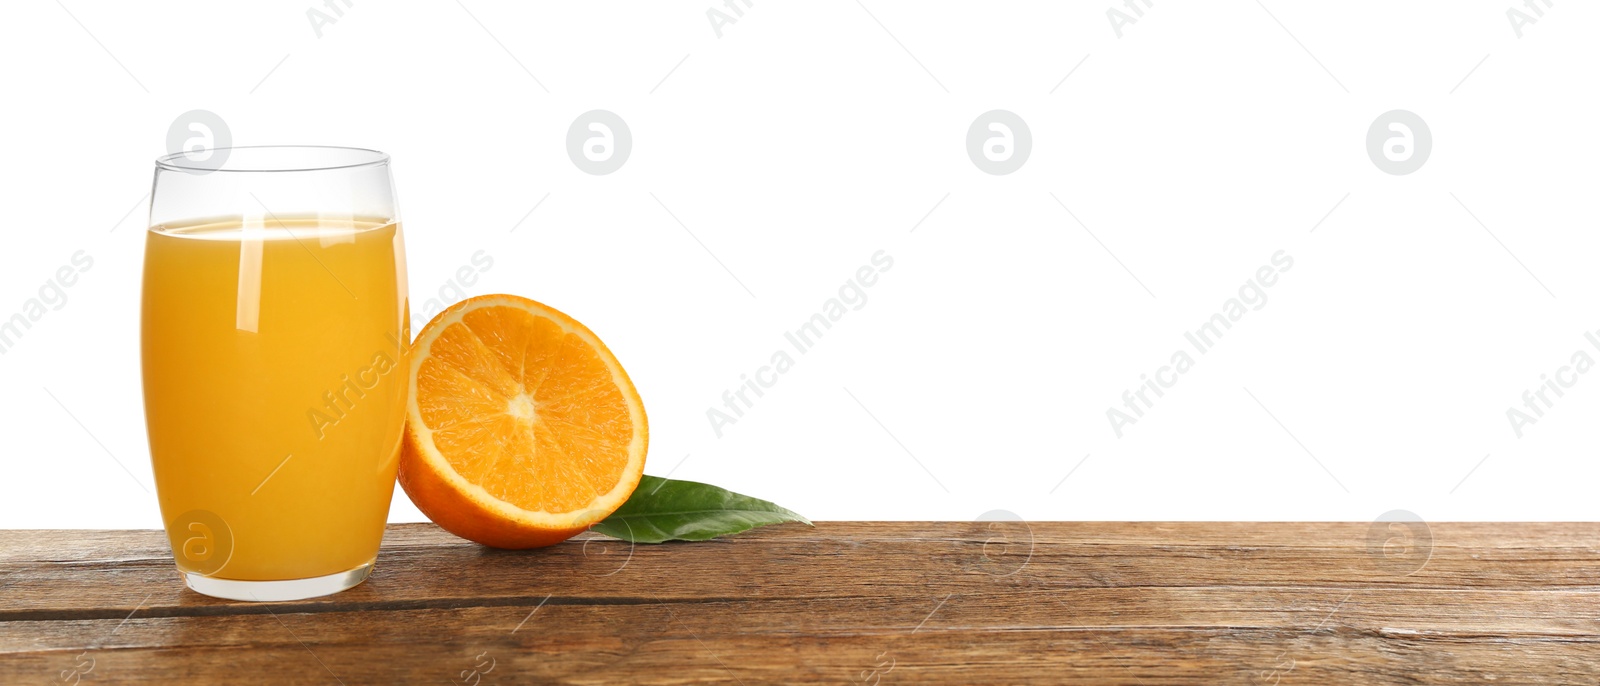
273,591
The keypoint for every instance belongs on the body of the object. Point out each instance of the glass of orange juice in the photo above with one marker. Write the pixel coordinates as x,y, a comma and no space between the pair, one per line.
276,359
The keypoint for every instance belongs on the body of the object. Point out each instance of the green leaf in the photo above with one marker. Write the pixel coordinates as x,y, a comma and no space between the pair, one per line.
666,510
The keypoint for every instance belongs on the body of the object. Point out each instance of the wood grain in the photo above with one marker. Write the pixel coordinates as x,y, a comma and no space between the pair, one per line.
844,602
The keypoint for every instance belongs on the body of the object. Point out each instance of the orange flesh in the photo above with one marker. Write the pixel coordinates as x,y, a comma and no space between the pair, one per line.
525,409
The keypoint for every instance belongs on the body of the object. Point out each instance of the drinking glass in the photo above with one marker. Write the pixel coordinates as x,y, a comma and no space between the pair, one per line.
275,348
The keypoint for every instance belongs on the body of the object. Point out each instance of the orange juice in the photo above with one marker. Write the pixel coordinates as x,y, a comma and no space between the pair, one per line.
275,360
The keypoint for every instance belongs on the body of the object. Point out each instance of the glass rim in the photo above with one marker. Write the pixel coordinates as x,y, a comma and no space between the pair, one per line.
342,157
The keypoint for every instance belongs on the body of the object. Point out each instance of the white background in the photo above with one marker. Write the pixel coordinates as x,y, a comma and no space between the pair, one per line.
810,135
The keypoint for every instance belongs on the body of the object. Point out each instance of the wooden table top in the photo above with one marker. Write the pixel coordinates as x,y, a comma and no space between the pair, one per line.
843,603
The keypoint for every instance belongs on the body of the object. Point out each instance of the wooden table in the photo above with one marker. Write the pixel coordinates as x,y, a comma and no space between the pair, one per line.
843,603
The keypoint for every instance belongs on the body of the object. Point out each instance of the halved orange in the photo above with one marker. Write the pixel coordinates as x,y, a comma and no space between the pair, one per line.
522,428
